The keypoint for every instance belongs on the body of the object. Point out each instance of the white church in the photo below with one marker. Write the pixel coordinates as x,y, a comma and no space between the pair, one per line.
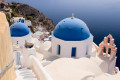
70,55
72,38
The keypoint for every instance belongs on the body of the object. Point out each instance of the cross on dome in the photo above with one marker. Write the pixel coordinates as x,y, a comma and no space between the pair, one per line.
72,15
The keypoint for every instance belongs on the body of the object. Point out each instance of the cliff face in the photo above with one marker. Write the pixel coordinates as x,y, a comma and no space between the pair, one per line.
34,15
6,55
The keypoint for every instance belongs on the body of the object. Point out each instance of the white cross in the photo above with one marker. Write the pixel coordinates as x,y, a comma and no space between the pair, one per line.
72,15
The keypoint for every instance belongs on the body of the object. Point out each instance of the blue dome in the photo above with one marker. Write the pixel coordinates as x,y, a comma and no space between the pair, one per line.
71,29
19,29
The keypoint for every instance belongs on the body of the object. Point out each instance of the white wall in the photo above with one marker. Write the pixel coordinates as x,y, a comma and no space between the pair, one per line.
111,66
21,40
82,47
28,23
26,53
17,55
15,19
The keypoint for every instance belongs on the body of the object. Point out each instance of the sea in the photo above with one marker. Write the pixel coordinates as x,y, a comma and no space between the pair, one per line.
101,16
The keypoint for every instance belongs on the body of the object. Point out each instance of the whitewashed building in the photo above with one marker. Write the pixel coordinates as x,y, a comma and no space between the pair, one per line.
21,19
20,33
72,38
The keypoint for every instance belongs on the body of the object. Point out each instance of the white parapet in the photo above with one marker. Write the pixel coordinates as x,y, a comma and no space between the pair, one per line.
38,69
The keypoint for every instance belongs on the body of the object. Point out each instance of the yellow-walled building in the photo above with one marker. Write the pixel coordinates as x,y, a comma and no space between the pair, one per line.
7,71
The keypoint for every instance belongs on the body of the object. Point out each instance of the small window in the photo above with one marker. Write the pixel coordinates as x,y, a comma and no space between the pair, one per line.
108,40
87,50
59,49
109,51
104,49
73,52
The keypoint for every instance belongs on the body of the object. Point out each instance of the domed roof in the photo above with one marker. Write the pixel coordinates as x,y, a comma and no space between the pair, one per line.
19,29
71,29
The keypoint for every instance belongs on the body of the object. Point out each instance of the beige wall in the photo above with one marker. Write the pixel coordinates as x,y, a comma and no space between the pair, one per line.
6,55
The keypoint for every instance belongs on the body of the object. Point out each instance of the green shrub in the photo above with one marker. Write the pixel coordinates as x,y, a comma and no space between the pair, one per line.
32,29
29,17
8,16
14,14
12,7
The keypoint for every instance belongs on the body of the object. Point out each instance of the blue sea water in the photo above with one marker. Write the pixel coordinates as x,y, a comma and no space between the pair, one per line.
101,16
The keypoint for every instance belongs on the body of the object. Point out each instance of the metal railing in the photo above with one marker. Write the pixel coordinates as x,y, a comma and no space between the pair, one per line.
6,67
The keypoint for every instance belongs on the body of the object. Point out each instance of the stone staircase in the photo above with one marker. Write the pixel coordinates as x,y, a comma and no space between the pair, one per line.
25,74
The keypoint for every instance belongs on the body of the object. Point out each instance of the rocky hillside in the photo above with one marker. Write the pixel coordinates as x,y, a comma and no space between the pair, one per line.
30,13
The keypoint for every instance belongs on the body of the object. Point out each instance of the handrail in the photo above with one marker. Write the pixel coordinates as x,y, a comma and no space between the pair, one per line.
6,67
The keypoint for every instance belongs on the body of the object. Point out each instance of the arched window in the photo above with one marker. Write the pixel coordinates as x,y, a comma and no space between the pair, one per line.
104,49
109,50
108,39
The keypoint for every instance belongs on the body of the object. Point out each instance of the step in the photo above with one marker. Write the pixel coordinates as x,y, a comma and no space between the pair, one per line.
25,74
26,79
31,79
24,69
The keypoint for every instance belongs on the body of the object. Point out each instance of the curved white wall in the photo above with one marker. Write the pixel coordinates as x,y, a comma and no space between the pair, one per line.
21,40
82,47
